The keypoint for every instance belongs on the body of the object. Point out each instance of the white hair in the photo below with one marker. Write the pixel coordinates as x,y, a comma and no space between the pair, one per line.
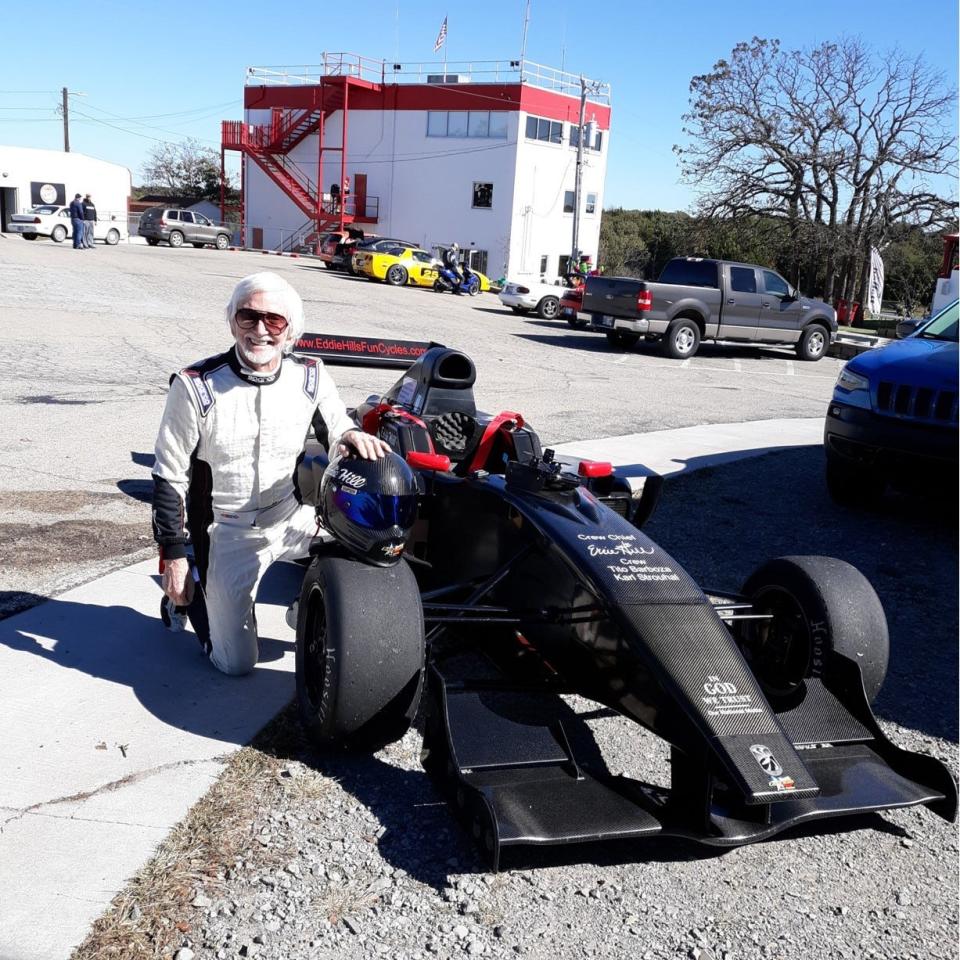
268,282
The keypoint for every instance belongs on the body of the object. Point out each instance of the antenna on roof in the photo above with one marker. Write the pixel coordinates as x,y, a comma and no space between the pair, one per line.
523,43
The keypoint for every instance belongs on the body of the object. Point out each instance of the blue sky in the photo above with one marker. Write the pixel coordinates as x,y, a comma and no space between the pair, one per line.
175,69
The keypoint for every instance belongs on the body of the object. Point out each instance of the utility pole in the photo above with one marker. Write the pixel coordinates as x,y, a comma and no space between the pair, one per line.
575,249
585,88
66,121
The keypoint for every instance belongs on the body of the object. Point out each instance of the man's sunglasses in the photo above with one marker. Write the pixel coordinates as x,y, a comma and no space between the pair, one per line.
248,319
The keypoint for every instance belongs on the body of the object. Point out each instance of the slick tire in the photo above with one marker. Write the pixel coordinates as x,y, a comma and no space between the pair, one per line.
360,653
820,606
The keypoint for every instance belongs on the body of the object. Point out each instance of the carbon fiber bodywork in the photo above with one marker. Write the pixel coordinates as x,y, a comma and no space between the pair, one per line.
533,587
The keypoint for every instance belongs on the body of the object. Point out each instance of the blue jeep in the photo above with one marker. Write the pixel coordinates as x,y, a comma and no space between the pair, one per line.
893,416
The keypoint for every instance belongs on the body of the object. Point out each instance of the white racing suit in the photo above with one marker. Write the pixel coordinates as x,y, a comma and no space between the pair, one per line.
233,438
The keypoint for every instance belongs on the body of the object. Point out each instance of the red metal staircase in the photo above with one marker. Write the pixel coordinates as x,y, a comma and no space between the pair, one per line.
269,146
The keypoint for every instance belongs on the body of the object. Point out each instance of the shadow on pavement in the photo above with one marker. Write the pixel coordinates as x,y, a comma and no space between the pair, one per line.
168,672
723,521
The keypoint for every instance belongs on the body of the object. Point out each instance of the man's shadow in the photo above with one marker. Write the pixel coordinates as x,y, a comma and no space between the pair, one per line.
168,672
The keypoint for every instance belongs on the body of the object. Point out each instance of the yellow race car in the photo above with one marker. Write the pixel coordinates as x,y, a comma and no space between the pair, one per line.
398,266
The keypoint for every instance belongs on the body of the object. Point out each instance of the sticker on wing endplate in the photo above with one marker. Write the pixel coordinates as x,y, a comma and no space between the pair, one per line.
722,699
771,766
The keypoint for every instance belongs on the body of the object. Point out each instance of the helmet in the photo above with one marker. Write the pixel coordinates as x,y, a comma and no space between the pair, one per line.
370,506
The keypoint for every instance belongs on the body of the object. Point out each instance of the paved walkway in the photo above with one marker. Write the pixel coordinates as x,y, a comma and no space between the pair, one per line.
113,728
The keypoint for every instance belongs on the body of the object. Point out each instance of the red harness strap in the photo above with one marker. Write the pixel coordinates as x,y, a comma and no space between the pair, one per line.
507,421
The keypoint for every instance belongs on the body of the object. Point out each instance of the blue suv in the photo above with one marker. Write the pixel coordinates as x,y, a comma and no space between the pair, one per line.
893,416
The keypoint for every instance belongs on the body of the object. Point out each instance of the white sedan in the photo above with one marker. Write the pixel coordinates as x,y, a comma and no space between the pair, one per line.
524,296
53,221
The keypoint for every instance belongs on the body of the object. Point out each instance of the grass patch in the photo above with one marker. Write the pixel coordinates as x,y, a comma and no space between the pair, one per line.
150,917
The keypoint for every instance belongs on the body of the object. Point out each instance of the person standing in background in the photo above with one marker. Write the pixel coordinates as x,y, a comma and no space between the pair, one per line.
76,222
89,219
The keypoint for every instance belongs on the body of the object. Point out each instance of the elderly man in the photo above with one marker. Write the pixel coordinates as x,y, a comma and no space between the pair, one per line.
232,432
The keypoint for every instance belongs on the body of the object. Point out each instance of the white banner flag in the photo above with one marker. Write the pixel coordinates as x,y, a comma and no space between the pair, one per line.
441,36
875,287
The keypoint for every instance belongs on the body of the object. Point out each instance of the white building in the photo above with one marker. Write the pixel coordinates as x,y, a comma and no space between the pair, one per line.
486,158
29,177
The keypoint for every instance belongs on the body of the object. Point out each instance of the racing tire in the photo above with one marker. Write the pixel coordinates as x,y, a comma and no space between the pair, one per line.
175,239
682,339
152,241
396,276
621,339
360,653
852,485
813,343
222,241
820,606
112,238
549,308
59,233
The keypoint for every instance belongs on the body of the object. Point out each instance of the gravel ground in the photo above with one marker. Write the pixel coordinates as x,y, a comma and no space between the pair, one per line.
358,857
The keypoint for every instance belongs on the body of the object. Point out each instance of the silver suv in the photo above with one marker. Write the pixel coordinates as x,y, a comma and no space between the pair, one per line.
177,227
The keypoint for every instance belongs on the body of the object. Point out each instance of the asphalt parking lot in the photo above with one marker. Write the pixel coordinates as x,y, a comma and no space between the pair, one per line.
88,342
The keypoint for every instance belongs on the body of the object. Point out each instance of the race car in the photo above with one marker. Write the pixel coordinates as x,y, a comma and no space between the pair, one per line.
398,266
495,579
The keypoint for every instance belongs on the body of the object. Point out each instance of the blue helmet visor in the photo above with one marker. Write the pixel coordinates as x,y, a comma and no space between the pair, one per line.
377,511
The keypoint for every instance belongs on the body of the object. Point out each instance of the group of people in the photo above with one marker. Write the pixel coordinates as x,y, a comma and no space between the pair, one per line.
83,216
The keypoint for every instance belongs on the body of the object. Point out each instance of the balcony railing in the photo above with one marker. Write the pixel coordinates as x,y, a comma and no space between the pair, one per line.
459,71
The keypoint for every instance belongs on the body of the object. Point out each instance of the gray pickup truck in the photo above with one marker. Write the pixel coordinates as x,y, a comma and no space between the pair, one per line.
697,299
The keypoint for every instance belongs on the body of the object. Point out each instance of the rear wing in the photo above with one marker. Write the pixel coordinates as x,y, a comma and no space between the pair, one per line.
362,351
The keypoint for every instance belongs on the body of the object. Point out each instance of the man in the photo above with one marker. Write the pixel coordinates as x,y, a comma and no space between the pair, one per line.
232,431
451,260
89,219
76,222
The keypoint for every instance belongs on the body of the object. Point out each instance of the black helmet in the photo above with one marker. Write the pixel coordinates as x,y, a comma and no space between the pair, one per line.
370,506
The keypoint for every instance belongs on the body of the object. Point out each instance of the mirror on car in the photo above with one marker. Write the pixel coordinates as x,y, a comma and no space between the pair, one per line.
907,327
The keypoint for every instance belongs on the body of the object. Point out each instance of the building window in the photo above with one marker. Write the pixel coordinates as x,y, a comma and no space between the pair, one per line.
563,267
568,201
477,260
543,266
591,206
482,196
486,124
587,145
549,131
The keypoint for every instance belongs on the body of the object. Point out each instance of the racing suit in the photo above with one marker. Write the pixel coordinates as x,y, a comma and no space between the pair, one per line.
232,438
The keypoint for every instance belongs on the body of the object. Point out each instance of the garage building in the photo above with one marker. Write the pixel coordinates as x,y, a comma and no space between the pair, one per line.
484,155
30,177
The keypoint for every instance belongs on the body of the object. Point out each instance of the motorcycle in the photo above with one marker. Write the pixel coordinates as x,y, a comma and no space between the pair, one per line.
449,281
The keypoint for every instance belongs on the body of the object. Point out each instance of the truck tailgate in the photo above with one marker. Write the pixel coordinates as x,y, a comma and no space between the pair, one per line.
616,296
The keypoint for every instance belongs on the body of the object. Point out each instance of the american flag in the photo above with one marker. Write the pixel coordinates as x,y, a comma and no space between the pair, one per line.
441,36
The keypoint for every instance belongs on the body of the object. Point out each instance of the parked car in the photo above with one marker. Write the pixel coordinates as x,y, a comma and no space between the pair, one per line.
893,415
529,295
376,245
177,227
53,221
397,266
697,299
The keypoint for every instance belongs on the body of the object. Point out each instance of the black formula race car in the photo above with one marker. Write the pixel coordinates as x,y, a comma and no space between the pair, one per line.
522,580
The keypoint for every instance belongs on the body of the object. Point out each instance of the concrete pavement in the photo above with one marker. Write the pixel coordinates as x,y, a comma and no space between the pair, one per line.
113,727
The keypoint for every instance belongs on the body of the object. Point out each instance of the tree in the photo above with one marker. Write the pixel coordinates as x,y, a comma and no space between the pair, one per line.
187,168
837,143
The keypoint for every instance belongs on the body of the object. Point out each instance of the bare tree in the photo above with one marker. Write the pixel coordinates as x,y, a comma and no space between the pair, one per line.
837,141
187,167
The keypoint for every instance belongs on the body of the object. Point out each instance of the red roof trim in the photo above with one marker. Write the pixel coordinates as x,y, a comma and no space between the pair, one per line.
406,96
